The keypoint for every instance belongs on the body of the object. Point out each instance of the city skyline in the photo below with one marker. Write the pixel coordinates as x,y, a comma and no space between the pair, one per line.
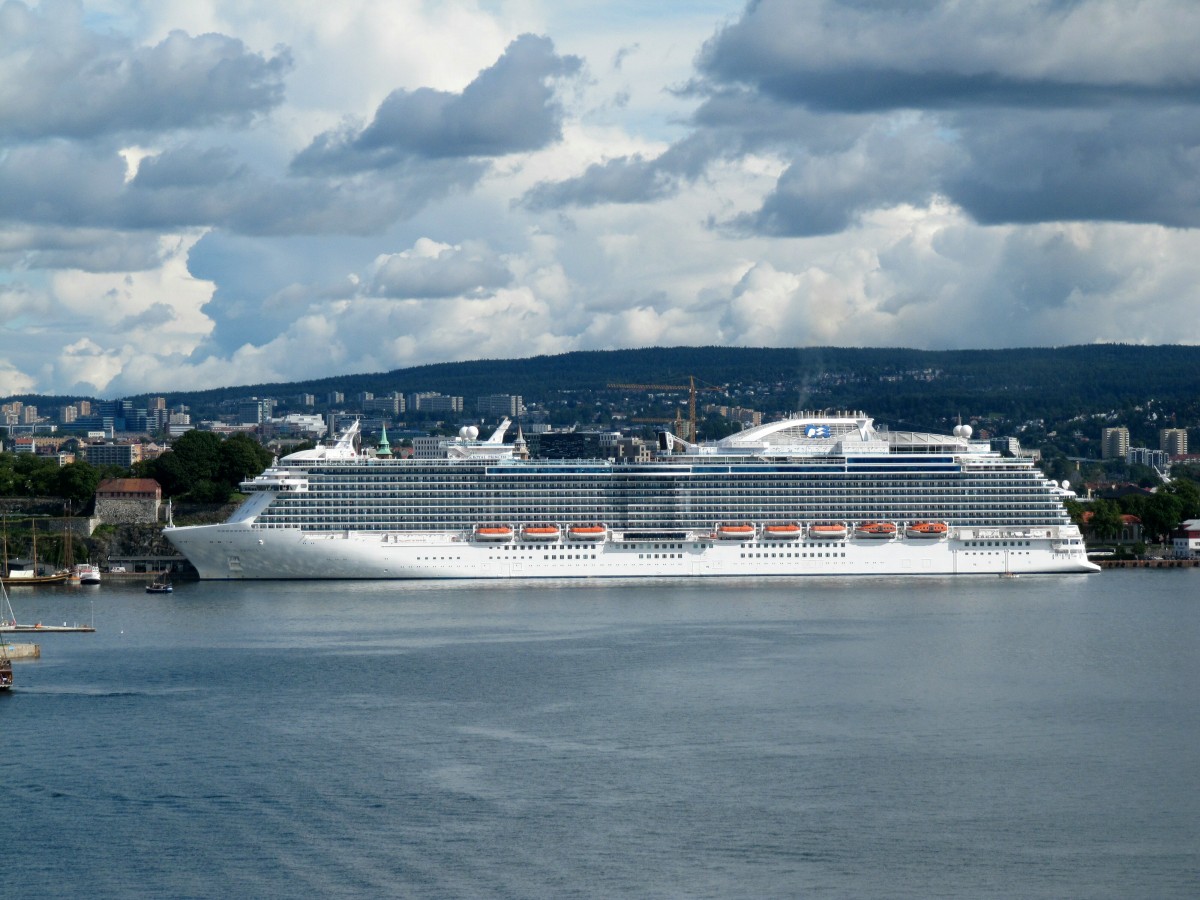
210,193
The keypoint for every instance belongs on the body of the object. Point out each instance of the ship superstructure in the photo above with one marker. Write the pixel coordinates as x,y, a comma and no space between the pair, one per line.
813,494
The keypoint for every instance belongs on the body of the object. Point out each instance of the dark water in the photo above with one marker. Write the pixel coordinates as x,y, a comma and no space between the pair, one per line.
1033,737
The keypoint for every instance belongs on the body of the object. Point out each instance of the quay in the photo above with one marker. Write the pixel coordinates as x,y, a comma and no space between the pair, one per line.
39,628
23,651
1147,563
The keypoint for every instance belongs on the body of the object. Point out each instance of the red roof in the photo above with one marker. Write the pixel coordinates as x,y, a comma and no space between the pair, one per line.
128,486
1125,517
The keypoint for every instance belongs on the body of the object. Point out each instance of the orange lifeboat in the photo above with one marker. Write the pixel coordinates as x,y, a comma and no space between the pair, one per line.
540,533
741,531
927,530
786,532
493,533
587,533
876,530
828,531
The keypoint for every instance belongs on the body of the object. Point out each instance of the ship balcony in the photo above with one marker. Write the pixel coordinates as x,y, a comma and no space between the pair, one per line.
274,483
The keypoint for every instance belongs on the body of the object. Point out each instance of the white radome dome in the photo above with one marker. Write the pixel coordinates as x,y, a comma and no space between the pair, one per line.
472,432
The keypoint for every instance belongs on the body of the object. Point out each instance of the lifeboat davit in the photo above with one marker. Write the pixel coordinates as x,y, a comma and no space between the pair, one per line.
741,531
876,530
587,533
828,531
540,533
927,530
493,533
787,532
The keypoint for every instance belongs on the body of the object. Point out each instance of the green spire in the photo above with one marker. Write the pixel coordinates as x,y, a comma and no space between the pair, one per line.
384,449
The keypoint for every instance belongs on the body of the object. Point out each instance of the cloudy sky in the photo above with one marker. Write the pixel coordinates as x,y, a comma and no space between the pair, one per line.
196,193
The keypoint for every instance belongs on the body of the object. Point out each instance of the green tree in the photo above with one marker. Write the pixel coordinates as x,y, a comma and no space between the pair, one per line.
1075,510
1144,476
241,457
7,475
1134,504
77,482
35,476
167,470
1161,513
206,467
1188,494
1106,519
193,458
209,492
199,454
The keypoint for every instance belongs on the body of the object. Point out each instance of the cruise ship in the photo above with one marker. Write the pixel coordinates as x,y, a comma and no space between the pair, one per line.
815,494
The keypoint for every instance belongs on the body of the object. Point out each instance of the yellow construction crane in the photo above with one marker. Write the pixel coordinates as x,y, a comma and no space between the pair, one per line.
678,426
690,387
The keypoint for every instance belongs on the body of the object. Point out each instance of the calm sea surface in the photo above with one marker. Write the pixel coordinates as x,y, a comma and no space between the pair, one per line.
1032,737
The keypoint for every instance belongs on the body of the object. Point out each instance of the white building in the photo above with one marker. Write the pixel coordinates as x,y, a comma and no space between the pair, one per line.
389,405
1173,441
1146,457
1186,541
499,405
1114,443
309,426
429,447
432,401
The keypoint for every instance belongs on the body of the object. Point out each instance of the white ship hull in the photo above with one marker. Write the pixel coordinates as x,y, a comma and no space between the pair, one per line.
233,551
787,498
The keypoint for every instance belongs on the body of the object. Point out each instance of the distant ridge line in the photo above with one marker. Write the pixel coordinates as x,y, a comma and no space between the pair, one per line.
1120,369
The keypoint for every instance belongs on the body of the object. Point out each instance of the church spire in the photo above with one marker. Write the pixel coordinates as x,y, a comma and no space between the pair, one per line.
384,449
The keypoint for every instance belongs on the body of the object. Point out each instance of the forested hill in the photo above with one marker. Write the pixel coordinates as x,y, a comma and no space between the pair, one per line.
1034,382
899,386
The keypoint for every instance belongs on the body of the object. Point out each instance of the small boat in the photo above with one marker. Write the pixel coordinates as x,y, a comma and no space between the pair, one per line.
741,531
86,573
159,586
540,533
587,533
29,577
33,574
927,530
876,530
828,531
493,533
787,532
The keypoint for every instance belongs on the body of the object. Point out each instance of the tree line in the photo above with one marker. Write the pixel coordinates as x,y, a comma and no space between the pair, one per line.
201,466
1160,513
